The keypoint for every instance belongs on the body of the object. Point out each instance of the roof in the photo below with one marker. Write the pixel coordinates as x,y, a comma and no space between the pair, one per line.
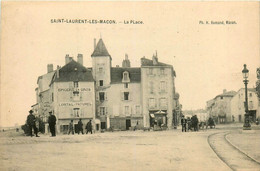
149,62
227,94
73,71
117,74
100,49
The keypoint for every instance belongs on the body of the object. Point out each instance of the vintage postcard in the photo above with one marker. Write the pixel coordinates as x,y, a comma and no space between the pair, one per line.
130,85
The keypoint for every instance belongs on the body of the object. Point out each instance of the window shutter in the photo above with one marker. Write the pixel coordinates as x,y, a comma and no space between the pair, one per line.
166,86
122,95
106,110
105,95
130,95
134,110
97,96
80,93
98,111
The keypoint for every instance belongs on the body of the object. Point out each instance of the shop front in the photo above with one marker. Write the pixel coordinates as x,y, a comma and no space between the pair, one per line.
158,118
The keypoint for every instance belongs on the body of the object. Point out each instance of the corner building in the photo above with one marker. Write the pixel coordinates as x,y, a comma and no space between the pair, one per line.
113,97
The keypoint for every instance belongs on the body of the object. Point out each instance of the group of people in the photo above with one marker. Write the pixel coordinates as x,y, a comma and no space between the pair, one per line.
80,127
190,123
33,125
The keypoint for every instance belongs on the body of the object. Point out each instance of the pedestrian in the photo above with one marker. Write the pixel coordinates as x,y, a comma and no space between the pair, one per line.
89,127
80,126
71,129
31,123
183,123
189,123
196,123
52,123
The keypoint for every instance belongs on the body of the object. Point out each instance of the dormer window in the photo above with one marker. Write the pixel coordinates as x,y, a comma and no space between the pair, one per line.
76,84
126,77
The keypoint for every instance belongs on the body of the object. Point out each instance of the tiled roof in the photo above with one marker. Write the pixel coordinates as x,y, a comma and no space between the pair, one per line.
227,94
117,74
149,62
100,49
73,71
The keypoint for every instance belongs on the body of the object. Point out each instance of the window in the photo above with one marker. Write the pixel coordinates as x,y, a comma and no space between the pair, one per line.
76,112
151,102
137,110
126,110
162,86
163,102
52,97
250,94
102,110
162,71
126,95
76,95
76,84
126,85
101,96
221,97
100,69
100,82
125,77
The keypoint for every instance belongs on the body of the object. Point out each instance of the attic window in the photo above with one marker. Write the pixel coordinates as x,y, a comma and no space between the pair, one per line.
126,77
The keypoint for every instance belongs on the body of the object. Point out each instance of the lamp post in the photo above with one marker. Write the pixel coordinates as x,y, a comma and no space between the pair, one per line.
247,125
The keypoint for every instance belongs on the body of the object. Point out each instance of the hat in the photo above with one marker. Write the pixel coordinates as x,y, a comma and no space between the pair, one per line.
50,111
30,111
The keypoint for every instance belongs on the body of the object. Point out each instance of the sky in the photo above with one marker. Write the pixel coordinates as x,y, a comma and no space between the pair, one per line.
207,58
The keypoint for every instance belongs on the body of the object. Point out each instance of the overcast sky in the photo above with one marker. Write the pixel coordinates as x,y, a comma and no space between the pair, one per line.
207,58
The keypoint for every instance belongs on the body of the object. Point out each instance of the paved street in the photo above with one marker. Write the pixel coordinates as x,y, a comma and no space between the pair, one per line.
127,150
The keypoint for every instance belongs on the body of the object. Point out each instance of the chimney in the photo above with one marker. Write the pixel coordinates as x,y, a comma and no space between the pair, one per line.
58,71
80,59
155,59
126,62
67,59
224,91
95,43
49,68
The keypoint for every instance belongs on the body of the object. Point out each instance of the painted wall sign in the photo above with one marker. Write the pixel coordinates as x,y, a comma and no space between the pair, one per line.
73,89
67,104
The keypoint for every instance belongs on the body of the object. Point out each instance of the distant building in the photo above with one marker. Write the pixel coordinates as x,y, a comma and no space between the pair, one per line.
238,105
219,108
113,97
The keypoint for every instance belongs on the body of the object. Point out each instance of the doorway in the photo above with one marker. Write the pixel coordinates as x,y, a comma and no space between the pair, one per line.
128,124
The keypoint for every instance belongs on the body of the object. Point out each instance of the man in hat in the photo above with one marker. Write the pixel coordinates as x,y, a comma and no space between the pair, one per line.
52,123
183,123
80,126
31,123
89,127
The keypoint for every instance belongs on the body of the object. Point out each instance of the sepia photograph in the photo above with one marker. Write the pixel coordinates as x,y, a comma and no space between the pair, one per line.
130,85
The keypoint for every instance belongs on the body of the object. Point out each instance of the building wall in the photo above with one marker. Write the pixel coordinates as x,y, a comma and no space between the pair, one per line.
103,62
151,89
68,107
119,109
222,107
237,104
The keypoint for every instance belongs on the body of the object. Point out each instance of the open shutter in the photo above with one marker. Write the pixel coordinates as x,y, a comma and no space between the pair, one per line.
80,94
97,96
105,95
71,112
106,110
122,95
130,95
98,111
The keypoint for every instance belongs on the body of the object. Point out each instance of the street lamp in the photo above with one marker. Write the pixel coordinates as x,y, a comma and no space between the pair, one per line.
247,125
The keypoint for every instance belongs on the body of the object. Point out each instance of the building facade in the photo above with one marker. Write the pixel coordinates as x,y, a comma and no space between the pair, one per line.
118,98
238,105
219,108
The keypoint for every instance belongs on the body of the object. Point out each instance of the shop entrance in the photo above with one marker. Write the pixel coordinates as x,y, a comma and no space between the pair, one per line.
128,124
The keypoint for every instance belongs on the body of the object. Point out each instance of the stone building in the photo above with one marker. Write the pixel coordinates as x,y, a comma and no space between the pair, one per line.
238,105
219,108
113,97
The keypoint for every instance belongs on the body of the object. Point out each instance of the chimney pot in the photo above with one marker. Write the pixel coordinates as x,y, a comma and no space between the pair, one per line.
80,59
49,68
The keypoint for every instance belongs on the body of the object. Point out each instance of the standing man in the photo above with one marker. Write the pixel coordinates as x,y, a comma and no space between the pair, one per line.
71,129
80,126
183,123
52,123
89,127
31,123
